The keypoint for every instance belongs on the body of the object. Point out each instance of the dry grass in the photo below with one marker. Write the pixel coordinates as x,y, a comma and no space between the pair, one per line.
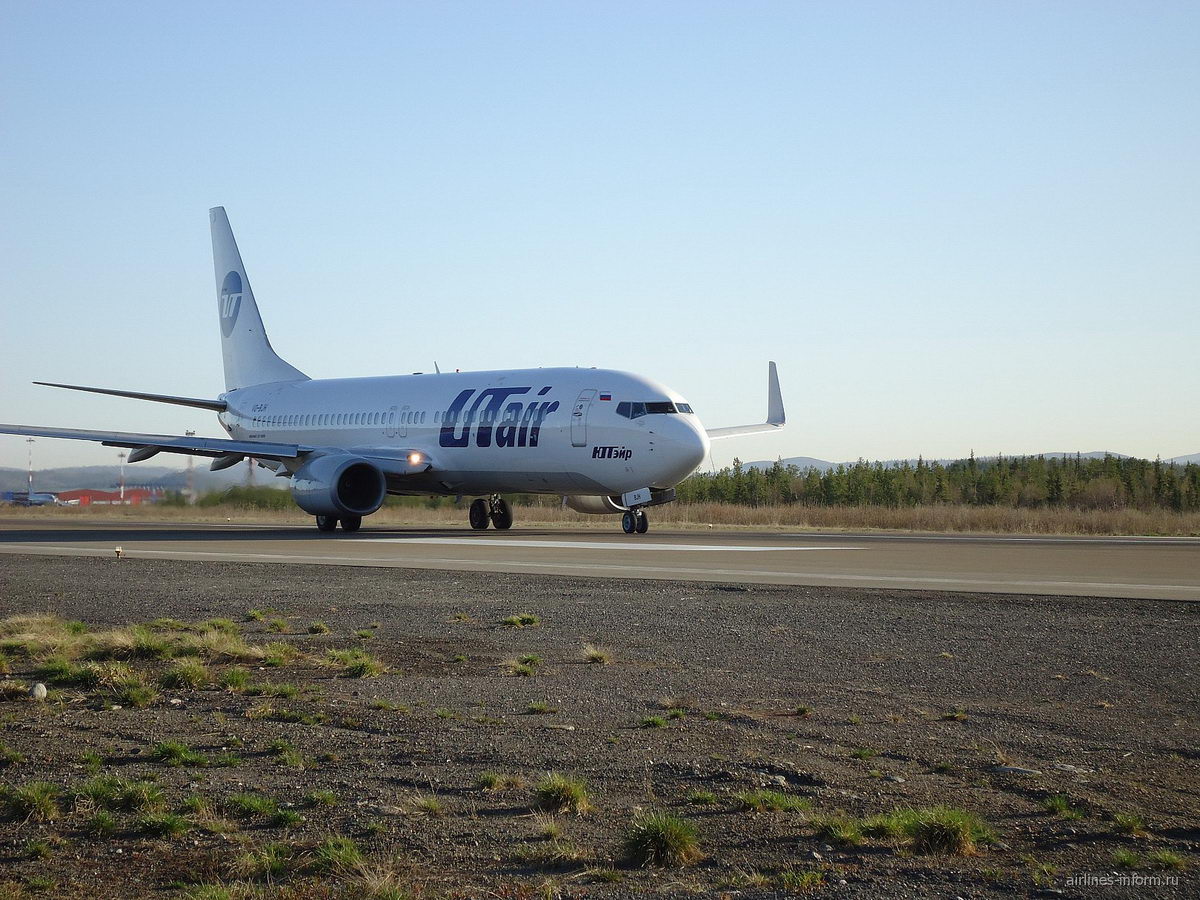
944,518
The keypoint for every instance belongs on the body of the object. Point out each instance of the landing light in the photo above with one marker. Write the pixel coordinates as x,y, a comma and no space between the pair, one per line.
414,458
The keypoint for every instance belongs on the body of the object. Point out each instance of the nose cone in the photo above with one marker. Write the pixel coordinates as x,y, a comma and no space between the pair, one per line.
686,446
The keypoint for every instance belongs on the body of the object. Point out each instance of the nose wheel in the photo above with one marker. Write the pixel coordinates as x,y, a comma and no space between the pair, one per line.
635,520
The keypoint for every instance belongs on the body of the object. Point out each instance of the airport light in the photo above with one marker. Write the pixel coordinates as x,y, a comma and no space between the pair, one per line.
122,456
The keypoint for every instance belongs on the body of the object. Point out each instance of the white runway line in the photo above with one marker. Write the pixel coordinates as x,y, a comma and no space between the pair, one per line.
591,545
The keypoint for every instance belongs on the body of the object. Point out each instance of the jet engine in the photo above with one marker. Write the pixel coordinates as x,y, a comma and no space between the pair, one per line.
596,506
339,485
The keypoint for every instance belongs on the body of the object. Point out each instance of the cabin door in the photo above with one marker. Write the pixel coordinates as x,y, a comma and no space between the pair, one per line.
579,417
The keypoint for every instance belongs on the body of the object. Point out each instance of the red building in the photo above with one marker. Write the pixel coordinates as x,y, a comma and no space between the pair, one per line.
87,497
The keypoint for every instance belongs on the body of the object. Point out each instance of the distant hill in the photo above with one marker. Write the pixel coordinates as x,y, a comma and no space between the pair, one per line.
805,462
107,478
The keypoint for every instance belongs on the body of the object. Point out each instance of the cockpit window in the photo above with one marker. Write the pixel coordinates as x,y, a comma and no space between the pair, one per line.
633,410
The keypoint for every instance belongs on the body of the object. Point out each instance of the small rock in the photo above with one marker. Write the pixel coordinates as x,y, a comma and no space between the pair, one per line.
38,692
894,779
815,855
780,780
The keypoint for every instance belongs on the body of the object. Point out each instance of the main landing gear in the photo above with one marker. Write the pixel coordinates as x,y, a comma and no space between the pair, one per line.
350,524
635,520
494,511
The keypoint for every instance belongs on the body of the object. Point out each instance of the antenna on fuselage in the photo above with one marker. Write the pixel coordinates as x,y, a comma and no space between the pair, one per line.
435,367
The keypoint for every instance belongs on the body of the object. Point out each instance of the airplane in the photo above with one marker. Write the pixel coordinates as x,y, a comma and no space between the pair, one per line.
608,442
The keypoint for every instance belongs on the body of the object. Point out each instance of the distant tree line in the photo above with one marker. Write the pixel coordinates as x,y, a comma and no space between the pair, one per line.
1074,482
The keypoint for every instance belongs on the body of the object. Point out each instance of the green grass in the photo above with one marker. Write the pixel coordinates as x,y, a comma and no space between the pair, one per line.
235,679
521,620
132,690
842,831
1130,824
661,839
864,753
365,633
285,818
800,881
596,655
318,628
116,793
268,862
335,854
562,793
33,800
1166,859
226,625
185,673
256,615
320,798
356,663
1061,807
10,757
38,848
279,626
176,753
429,805
272,689
803,712
520,669
653,722
529,659
540,708
772,801
1126,859
101,824
958,715
495,781
702,798
250,805
165,824
937,830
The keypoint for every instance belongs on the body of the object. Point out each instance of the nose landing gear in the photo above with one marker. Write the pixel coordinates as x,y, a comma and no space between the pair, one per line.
635,520
494,511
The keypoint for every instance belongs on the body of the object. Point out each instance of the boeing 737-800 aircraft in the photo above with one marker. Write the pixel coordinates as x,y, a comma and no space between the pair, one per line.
608,442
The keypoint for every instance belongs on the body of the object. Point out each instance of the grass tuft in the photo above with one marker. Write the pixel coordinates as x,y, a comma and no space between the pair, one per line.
336,855
1061,807
562,793
661,839
356,663
596,655
772,801
1130,824
495,781
521,620
33,800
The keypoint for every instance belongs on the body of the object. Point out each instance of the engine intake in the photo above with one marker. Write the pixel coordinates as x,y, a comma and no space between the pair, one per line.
339,485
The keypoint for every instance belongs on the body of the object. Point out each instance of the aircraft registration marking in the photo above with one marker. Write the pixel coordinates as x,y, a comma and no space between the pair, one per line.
595,545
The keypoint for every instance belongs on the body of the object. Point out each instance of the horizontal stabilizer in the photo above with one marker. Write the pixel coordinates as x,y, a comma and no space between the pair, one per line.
776,418
165,443
217,405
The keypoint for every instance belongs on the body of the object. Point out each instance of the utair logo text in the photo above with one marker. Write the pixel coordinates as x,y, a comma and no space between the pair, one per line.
488,417
611,453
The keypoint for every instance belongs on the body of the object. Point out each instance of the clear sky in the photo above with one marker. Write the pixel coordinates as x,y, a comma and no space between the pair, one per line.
955,225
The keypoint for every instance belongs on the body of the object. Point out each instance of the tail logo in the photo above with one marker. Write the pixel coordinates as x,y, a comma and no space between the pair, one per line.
230,302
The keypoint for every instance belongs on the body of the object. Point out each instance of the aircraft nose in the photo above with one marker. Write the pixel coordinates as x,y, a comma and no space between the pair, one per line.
689,447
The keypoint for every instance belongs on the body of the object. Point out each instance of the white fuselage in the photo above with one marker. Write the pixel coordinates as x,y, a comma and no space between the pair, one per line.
560,431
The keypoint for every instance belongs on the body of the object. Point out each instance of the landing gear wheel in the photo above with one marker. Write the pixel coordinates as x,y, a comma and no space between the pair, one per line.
478,514
628,522
642,523
501,514
351,523
326,523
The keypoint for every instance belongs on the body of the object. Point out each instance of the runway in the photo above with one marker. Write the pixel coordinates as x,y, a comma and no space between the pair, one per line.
1152,568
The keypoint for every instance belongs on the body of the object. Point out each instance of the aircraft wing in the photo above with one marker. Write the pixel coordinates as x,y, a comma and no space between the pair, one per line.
776,418
166,443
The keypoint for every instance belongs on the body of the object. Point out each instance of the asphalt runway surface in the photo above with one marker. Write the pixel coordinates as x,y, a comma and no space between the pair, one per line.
1147,568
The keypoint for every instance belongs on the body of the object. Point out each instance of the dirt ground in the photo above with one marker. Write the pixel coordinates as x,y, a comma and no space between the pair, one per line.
852,703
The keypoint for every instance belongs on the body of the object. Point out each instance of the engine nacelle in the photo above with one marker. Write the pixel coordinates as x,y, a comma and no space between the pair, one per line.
339,485
596,506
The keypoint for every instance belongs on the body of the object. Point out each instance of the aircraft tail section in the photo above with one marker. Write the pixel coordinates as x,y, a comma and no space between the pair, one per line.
249,358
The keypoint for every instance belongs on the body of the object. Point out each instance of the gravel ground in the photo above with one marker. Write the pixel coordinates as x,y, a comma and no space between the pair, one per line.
913,700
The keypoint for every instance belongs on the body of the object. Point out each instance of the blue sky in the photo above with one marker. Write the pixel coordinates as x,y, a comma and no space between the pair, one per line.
955,225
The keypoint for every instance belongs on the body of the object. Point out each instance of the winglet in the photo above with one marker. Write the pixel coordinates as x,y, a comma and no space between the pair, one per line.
775,414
